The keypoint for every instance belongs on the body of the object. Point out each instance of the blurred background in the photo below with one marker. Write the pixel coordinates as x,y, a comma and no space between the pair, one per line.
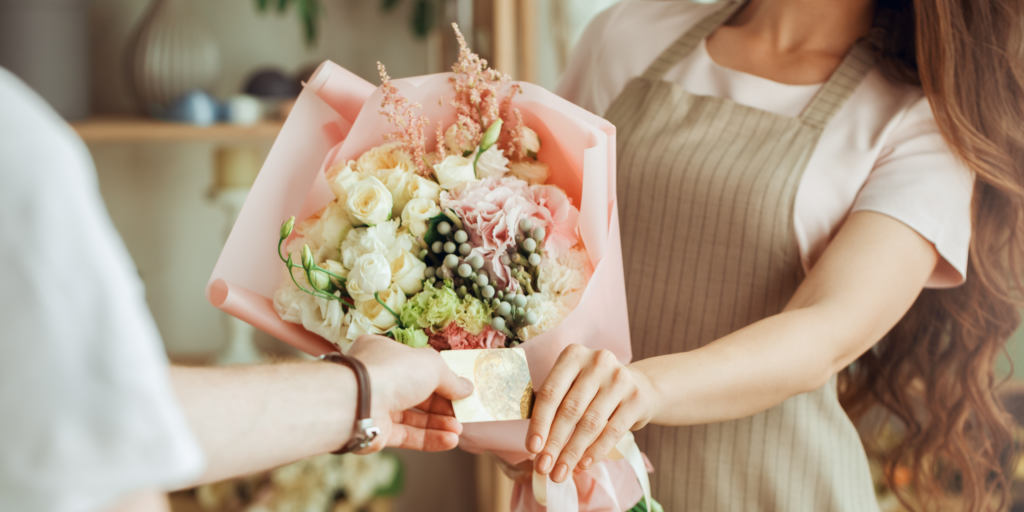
179,102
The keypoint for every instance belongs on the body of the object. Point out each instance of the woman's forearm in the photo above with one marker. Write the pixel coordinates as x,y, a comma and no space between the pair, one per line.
254,418
745,372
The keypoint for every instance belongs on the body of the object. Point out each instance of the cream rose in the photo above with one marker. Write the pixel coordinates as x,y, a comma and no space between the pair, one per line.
454,171
451,137
407,271
369,202
380,162
325,230
341,177
320,316
532,172
358,325
417,215
492,164
370,274
407,186
531,142
381,318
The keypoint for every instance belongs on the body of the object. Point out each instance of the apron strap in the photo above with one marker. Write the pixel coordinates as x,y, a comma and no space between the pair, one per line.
831,97
685,44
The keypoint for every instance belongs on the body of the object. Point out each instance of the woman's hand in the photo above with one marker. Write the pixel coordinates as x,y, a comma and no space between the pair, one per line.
412,394
587,404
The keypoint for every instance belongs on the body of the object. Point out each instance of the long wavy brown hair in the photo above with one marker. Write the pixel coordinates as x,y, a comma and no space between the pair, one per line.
934,371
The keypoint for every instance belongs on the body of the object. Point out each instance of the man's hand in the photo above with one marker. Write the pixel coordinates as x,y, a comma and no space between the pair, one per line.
404,378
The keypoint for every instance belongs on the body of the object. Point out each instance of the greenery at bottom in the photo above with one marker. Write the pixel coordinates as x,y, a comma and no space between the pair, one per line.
422,20
642,506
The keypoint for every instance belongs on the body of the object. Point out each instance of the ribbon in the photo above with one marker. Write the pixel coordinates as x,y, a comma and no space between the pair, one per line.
594,490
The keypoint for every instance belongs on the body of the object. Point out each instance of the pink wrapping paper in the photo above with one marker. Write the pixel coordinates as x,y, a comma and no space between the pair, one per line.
336,118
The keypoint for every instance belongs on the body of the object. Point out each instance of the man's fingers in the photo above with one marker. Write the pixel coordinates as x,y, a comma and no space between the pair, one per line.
550,394
437,405
452,386
422,439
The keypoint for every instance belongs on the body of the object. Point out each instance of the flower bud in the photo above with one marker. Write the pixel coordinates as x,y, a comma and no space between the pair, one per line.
430,272
520,301
504,309
444,228
483,280
477,262
539,234
451,261
319,280
487,291
286,228
498,323
531,318
505,260
465,270
535,259
465,249
438,247
526,225
491,136
307,258
449,247
461,237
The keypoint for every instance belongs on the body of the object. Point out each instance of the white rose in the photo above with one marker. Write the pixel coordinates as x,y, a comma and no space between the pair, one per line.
417,215
382,161
530,171
451,141
454,171
406,186
381,318
342,176
369,202
325,230
407,271
370,274
492,164
422,188
358,325
531,142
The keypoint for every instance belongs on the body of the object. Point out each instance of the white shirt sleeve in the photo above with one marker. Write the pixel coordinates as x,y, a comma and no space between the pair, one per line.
918,180
87,413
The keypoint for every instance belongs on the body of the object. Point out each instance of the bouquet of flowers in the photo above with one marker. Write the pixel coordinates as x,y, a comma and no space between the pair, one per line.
456,211
465,247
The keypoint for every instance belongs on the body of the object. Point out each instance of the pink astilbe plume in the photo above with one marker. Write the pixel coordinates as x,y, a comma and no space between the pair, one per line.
402,113
477,90
513,132
441,152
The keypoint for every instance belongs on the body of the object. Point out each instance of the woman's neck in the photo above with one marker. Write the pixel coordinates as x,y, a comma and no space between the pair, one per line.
791,41
790,26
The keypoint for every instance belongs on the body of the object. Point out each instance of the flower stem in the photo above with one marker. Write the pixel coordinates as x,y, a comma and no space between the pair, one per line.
398,319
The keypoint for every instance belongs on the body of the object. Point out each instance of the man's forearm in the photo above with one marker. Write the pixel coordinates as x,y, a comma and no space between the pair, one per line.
254,418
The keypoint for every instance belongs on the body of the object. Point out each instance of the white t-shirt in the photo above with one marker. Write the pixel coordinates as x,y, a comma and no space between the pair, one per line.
881,152
87,413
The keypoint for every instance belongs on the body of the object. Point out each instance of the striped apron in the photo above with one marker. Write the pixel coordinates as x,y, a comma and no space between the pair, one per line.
706,195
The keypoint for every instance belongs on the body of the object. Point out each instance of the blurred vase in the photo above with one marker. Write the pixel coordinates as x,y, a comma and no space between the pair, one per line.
46,44
171,53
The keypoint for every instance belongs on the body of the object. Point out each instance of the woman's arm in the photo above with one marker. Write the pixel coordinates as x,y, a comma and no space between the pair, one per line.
254,418
866,280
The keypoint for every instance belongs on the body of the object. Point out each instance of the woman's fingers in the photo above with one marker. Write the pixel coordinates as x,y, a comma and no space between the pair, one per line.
550,394
574,405
591,425
621,422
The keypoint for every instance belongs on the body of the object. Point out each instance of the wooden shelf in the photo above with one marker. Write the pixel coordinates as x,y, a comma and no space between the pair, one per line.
139,129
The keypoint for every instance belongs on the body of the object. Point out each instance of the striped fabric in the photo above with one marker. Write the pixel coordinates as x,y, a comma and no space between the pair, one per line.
706,194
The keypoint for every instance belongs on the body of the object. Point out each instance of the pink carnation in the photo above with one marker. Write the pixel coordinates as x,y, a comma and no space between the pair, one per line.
454,337
492,209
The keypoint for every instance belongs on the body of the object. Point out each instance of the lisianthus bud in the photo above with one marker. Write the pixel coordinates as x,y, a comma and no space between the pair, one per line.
286,228
319,280
491,135
307,258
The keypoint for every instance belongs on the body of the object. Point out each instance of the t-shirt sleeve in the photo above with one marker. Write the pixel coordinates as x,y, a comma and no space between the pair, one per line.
919,181
578,83
87,412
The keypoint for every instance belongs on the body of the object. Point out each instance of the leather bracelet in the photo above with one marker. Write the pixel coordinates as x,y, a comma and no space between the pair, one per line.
364,431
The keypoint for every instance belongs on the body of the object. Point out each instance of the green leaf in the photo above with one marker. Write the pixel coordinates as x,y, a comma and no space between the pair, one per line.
394,488
309,14
282,5
432,235
423,18
261,5
388,5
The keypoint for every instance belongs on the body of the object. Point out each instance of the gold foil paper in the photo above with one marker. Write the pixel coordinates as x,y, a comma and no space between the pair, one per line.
501,377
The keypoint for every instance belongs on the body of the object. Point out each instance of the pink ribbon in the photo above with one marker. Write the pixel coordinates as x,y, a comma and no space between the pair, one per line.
610,486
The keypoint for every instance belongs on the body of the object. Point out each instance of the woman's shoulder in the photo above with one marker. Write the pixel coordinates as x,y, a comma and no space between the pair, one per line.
621,42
